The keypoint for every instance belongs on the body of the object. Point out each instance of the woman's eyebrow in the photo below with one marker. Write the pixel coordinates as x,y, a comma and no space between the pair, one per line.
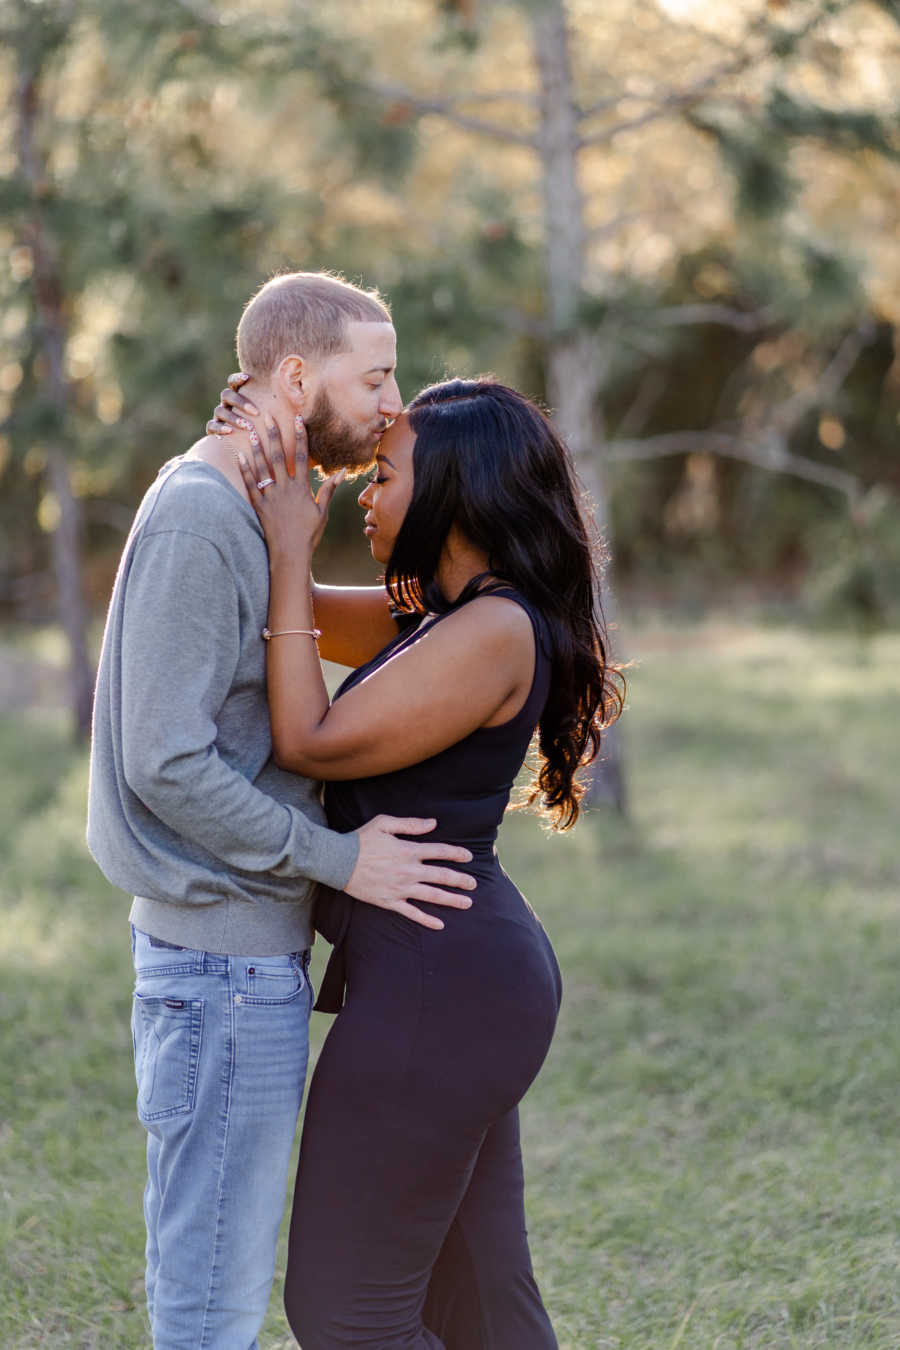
386,461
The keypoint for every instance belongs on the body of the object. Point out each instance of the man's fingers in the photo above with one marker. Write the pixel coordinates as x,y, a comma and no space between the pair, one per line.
446,876
419,916
435,896
446,852
404,824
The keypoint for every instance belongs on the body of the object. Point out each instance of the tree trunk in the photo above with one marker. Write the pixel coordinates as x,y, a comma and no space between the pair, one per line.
48,293
575,362
558,137
575,368
67,566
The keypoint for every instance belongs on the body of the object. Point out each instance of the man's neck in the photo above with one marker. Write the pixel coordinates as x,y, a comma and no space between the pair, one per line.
221,452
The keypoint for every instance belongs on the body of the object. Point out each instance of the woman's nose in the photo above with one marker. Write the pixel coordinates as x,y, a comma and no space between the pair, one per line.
363,498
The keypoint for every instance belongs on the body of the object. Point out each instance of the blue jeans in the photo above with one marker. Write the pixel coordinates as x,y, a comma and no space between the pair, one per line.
221,1045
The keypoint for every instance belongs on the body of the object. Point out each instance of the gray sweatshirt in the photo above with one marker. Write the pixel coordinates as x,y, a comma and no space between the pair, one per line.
187,810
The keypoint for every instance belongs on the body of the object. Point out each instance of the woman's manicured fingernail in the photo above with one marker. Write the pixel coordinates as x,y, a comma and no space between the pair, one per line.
244,424
298,423
254,440
242,460
251,408
223,429
269,422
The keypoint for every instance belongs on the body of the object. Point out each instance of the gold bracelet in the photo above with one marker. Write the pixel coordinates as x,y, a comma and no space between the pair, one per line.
315,633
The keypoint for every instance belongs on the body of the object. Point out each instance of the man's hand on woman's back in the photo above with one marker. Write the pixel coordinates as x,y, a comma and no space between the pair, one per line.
390,872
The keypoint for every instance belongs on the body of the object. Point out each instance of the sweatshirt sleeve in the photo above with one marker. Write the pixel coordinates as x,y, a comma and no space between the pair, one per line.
180,650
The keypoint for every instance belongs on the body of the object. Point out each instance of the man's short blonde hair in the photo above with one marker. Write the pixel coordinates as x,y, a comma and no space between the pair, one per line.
304,313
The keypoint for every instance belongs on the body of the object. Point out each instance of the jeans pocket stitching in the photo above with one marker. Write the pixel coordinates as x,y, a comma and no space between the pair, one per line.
264,1001
194,1009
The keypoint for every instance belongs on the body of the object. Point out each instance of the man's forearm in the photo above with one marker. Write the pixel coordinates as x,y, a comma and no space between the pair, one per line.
210,804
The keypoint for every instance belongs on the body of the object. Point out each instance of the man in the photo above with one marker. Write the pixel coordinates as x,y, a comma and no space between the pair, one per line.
220,848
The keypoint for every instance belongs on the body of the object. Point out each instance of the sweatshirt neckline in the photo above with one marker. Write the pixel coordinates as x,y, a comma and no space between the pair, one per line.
182,462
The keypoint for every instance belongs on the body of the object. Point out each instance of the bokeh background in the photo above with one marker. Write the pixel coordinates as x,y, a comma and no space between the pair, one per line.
675,223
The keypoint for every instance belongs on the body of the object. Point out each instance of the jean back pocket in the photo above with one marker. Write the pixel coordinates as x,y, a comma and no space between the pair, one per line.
167,1034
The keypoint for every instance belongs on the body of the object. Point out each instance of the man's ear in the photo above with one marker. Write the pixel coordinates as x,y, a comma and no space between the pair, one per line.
292,376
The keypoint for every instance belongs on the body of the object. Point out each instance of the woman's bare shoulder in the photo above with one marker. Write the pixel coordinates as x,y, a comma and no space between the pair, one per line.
492,618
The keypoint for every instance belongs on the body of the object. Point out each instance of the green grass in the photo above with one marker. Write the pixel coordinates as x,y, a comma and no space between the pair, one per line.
711,1148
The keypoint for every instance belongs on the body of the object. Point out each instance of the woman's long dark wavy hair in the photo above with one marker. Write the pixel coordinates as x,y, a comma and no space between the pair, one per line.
488,460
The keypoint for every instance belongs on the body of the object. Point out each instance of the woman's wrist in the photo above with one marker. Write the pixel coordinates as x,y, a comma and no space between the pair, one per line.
290,560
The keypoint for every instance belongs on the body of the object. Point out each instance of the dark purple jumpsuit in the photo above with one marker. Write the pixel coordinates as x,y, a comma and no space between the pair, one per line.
408,1227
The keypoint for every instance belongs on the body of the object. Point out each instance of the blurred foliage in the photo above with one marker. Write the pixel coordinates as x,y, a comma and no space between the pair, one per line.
188,150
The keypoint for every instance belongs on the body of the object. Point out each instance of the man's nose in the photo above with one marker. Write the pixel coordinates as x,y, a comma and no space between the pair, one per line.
391,404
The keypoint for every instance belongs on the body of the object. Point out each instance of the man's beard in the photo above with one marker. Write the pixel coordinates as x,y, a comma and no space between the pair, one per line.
333,443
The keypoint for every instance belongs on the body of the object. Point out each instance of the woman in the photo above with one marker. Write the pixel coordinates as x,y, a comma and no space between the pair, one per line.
408,1223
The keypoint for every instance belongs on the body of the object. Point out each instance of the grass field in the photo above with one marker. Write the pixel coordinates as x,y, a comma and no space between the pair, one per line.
712,1147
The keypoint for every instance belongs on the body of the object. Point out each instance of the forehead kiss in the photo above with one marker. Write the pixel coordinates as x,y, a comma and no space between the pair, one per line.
395,448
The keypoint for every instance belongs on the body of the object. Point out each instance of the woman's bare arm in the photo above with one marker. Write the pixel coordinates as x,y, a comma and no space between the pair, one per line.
474,668
355,622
